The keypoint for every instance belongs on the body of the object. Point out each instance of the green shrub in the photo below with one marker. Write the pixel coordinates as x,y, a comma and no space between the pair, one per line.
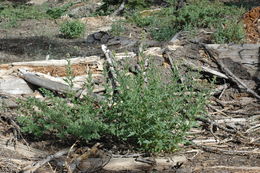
57,12
153,116
196,14
230,32
205,14
77,120
72,29
141,21
130,4
118,28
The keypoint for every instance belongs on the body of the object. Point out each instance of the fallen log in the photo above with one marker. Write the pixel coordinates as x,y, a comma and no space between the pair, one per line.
45,83
241,59
133,164
214,55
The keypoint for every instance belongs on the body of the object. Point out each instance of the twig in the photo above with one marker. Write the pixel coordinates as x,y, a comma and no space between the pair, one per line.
215,124
146,64
206,69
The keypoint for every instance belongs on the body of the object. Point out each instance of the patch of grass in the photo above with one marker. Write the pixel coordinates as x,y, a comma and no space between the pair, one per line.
151,116
118,28
229,32
72,29
57,12
10,15
196,14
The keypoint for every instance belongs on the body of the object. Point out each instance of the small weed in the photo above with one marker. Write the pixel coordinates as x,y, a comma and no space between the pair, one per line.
72,29
118,28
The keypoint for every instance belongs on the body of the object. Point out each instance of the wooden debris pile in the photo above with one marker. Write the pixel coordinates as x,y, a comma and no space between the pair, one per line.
231,126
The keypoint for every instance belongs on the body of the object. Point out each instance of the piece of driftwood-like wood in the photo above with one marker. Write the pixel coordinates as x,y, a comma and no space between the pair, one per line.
247,55
63,62
44,82
214,55
21,149
36,165
133,164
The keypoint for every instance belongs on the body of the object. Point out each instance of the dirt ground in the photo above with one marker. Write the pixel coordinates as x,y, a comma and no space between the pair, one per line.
37,39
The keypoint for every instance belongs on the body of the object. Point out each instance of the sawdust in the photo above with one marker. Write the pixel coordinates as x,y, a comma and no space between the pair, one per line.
78,70
252,25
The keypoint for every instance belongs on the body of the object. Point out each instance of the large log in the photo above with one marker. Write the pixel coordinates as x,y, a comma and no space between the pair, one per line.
240,59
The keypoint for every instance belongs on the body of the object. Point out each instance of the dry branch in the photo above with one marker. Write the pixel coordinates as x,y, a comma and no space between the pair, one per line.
111,67
206,69
230,75
33,167
228,152
121,8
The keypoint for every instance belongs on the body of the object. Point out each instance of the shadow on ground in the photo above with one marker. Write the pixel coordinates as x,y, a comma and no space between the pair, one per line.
38,47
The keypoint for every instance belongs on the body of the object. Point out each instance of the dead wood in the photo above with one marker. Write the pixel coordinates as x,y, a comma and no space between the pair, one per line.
85,156
133,164
33,167
87,60
121,8
234,168
232,77
228,152
21,149
111,67
44,82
